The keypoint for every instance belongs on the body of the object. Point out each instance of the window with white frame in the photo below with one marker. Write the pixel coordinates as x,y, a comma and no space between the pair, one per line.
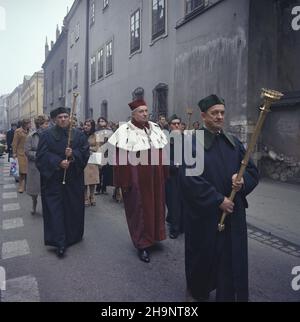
158,18
70,80
105,3
77,31
109,57
92,12
192,5
135,34
75,85
93,69
100,60
72,39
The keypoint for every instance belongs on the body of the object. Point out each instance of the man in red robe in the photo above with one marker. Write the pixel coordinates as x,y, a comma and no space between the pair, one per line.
142,182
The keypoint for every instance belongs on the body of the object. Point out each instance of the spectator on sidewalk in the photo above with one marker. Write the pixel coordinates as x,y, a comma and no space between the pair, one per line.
91,171
9,140
18,145
106,171
33,184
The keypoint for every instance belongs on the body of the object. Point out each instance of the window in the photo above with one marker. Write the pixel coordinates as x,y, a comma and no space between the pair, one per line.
104,109
75,85
77,31
45,92
93,69
91,113
158,18
191,5
70,80
135,37
160,100
72,39
52,87
109,57
138,94
61,78
100,57
92,12
105,3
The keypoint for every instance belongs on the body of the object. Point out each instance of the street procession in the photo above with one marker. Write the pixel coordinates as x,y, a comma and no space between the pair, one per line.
150,153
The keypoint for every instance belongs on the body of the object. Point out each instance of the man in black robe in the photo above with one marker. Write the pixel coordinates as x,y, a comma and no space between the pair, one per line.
9,140
63,204
213,259
173,195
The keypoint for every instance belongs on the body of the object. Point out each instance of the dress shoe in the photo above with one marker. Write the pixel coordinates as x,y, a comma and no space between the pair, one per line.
61,252
143,255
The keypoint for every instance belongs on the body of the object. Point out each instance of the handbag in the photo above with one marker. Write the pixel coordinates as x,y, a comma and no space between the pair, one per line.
95,158
14,167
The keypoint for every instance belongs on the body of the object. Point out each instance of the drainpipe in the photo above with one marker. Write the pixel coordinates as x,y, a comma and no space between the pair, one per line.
86,74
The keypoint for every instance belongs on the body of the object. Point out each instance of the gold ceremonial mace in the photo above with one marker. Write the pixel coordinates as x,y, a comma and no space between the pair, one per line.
269,97
75,95
189,112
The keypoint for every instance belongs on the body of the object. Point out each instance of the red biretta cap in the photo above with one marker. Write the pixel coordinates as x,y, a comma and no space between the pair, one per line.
137,103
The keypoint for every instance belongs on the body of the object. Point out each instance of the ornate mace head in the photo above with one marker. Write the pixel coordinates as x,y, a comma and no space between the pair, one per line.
269,97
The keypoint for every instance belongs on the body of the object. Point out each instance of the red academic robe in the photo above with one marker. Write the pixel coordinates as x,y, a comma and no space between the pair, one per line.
143,188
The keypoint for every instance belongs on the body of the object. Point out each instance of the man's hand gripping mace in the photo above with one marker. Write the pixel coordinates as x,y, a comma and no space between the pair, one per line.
75,95
269,97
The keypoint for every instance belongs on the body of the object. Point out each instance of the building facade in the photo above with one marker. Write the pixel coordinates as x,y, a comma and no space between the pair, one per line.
55,72
175,52
131,54
32,96
4,125
14,105
77,58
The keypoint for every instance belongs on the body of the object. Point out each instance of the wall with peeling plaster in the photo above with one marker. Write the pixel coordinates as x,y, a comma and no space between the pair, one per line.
211,57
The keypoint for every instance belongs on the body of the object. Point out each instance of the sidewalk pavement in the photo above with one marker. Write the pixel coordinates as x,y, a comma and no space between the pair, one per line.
275,208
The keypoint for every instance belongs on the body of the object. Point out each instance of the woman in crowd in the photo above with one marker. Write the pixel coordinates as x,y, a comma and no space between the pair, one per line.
106,172
18,145
91,171
33,185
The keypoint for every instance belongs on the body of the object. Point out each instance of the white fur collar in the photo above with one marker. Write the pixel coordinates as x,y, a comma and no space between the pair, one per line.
131,138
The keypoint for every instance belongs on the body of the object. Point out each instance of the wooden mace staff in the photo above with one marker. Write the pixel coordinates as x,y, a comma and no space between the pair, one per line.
269,97
75,95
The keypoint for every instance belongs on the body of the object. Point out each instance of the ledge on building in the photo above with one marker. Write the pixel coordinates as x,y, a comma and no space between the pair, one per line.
290,99
195,13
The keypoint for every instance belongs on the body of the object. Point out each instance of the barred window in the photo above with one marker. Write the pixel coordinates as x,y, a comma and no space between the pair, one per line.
158,18
109,57
135,27
100,58
93,69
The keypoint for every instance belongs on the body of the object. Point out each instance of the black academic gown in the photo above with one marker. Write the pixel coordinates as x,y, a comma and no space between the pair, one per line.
63,205
215,260
173,194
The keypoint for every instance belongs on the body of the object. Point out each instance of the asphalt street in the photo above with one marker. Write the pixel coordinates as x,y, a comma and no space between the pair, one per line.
104,267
